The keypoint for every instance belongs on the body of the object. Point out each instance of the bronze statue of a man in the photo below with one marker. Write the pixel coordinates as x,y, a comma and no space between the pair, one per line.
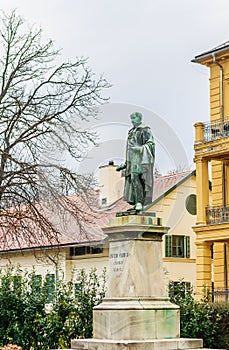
140,155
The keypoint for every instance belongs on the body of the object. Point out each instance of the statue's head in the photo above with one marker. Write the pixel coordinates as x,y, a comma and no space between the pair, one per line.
136,118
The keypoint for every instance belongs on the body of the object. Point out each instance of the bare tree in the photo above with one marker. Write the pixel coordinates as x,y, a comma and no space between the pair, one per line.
157,173
41,106
178,169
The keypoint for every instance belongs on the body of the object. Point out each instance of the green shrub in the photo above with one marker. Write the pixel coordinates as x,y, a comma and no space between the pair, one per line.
27,320
197,319
222,338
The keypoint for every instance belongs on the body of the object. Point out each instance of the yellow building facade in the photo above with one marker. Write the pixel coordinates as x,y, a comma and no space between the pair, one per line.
212,162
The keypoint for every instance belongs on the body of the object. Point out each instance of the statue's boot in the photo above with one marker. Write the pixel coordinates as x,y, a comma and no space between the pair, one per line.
138,206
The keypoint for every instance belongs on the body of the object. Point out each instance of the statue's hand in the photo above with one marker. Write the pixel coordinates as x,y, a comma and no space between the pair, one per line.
120,167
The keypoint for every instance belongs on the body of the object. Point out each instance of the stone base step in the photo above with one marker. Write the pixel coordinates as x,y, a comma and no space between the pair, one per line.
153,344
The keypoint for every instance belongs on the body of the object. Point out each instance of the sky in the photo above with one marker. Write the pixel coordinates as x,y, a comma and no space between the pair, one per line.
144,49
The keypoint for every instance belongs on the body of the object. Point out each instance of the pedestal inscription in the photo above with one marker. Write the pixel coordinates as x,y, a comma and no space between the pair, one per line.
117,258
135,270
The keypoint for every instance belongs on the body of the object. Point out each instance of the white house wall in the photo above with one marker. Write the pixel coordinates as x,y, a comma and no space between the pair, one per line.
173,212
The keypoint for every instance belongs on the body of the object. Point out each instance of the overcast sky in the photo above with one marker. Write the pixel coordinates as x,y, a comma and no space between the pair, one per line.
144,49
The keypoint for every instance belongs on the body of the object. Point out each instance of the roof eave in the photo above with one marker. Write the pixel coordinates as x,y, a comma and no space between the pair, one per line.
204,57
193,173
54,246
208,55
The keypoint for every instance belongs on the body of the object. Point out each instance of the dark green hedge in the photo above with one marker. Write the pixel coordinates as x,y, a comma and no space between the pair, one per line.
26,320
222,337
205,320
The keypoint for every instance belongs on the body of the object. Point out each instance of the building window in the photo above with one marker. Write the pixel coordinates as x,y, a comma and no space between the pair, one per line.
84,250
96,250
190,204
104,201
180,288
177,246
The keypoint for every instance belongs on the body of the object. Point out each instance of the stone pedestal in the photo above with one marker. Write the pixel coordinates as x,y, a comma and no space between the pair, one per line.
136,313
135,306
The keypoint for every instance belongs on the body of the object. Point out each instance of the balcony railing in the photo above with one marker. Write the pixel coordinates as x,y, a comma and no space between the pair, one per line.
217,215
220,295
216,130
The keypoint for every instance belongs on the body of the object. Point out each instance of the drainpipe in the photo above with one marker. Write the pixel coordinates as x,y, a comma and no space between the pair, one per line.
222,122
220,88
225,271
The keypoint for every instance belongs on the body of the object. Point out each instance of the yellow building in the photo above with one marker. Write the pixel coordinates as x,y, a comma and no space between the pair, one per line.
212,158
174,200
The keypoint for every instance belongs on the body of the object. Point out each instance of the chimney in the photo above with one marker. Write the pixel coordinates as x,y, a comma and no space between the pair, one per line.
111,184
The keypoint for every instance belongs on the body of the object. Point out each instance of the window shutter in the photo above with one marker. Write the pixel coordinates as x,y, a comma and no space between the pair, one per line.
78,290
17,283
168,246
187,241
36,283
50,285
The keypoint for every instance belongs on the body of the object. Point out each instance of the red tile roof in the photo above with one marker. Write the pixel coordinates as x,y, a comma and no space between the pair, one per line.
91,230
166,183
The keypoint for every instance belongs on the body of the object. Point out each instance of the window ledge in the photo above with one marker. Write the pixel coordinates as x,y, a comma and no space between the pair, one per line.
180,260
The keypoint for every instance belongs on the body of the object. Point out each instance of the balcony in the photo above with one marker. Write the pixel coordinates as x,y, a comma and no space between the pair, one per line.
220,295
212,140
216,130
217,215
